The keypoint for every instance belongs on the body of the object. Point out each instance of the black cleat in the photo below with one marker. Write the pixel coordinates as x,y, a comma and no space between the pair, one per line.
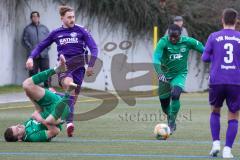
172,127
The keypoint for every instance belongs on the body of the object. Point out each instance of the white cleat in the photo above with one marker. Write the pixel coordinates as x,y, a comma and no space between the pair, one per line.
215,149
227,152
72,86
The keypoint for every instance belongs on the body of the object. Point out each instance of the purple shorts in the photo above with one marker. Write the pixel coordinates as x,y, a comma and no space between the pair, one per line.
218,93
77,76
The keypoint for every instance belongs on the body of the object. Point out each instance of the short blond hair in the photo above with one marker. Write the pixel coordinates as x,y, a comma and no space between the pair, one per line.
64,9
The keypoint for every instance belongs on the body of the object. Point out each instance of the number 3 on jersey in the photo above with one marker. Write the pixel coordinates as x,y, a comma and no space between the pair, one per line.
229,57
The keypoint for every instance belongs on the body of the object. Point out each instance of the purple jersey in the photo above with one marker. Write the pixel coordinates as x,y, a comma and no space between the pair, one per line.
70,42
223,51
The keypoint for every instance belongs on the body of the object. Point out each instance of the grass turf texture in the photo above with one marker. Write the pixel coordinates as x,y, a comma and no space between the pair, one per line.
10,89
124,133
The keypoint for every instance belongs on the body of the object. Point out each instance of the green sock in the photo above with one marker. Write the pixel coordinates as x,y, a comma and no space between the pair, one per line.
43,76
60,107
165,109
165,101
174,108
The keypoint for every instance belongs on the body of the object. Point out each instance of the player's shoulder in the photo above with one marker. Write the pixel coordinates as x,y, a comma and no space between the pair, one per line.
187,39
164,38
222,33
236,33
81,28
216,33
57,31
54,32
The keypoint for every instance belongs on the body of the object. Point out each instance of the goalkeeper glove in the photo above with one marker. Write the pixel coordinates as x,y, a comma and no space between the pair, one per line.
162,78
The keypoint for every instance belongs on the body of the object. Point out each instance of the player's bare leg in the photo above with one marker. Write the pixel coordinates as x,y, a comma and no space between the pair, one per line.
30,85
34,92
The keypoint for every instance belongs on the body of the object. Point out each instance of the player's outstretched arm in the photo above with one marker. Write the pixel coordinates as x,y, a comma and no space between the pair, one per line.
157,56
207,54
52,129
44,135
91,44
51,120
37,50
37,116
196,45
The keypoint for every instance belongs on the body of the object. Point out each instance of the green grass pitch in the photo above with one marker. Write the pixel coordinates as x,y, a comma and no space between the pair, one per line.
124,133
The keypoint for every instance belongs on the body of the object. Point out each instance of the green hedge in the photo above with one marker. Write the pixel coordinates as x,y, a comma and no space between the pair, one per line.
139,16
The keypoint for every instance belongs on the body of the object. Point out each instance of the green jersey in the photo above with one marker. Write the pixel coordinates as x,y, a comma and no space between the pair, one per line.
35,131
172,60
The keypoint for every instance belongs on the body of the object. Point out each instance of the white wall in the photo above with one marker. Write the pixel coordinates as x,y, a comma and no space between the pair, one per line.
139,52
7,34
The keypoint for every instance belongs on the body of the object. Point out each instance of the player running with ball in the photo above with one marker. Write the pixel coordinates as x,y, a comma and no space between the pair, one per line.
223,52
72,41
170,62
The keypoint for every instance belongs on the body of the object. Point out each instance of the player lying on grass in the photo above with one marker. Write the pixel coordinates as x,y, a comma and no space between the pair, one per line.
51,109
170,62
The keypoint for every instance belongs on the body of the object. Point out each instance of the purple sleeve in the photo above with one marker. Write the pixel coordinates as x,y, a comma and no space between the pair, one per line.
42,45
207,54
92,47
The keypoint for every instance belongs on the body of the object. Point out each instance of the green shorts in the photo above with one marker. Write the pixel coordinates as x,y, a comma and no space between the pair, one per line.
48,105
164,89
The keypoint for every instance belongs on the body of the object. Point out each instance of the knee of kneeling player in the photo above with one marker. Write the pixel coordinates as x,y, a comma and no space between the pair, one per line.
27,84
176,92
53,132
56,131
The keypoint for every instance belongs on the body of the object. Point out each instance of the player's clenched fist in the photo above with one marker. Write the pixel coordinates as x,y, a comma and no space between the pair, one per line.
29,64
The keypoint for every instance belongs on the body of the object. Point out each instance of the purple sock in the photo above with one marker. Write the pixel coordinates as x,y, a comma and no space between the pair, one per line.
71,108
215,126
231,132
